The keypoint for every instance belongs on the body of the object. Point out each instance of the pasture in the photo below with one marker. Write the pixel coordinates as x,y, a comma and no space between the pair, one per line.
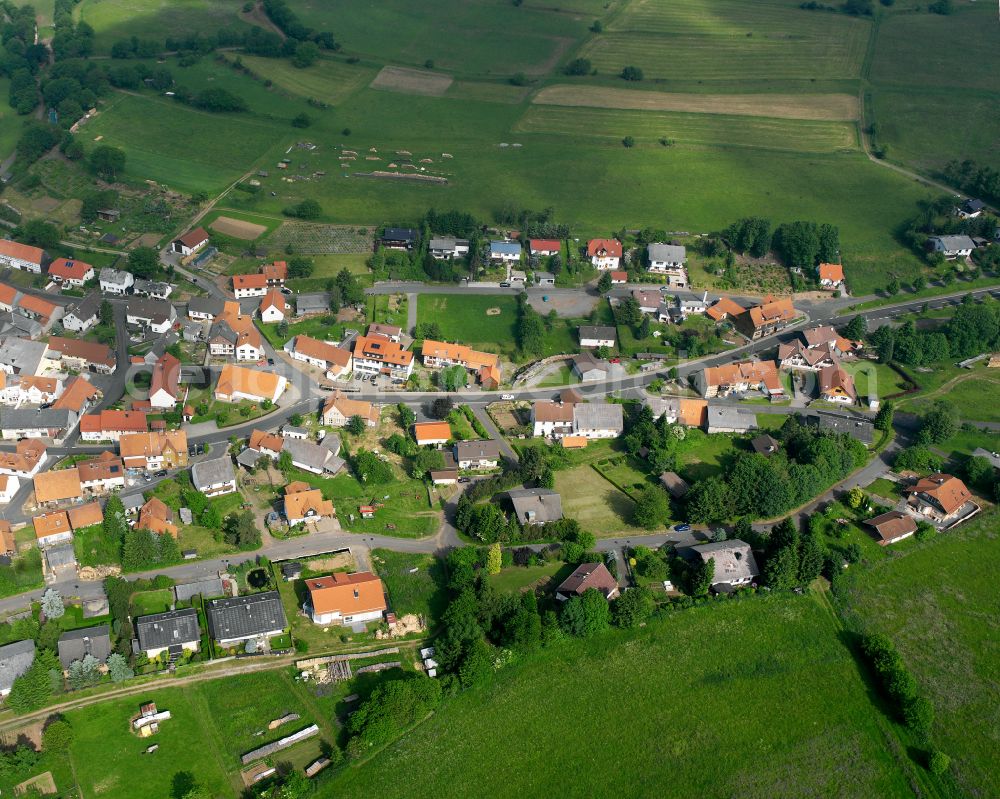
411,81
671,701
327,80
937,601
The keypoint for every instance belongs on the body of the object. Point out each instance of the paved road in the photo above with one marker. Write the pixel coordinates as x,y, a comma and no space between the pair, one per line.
491,428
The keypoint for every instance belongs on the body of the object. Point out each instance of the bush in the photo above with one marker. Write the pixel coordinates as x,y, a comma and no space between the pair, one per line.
578,66
632,73
938,763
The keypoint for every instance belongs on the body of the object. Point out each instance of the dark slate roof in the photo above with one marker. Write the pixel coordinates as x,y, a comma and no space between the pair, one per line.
207,587
245,616
76,644
859,427
88,307
15,659
172,628
205,305
487,449
212,472
34,418
399,234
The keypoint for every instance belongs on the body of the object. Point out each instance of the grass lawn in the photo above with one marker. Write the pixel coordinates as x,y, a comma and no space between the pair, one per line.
874,379
702,455
413,583
156,601
563,376
327,80
826,740
769,421
389,309
965,442
884,488
937,601
318,327
518,578
194,536
406,505
24,574
465,319
93,548
599,507
227,414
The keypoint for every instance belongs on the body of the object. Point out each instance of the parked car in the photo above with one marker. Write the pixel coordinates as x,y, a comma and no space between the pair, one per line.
507,397
270,361
682,528
505,285
161,473
147,477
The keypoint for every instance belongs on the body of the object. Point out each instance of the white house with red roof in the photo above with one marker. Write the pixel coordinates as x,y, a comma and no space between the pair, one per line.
605,254
545,247
71,273
831,276
273,307
249,285
21,256
190,242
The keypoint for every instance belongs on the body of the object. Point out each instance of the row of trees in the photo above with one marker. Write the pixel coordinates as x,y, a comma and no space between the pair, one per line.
798,244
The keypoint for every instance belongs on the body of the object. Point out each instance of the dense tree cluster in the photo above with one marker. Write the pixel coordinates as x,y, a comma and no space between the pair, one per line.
530,329
392,707
240,530
792,559
979,180
898,684
370,469
762,487
799,244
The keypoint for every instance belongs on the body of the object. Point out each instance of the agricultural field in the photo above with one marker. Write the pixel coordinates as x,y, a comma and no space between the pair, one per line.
827,739
937,602
330,81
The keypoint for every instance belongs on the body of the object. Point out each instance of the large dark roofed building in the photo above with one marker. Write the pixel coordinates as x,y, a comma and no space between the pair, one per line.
240,618
77,644
163,631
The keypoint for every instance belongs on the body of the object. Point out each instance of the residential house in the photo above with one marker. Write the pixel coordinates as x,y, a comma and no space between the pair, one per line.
52,529
723,309
82,355
598,420
312,304
769,317
303,504
345,599
432,433
378,355
8,546
71,273
727,419
233,335
15,660
739,378
156,517
77,644
536,505
587,367
735,565
587,577
798,357
444,477
152,288
679,410
253,285
339,408
84,315
39,310
214,477
321,458
58,485
17,390
173,632
239,383
505,251
544,247
77,397
333,360
959,246
399,238
545,279
825,337
87,515
164,386
619,277
8,297
391,332
481,454
156,315
444,249
676,485
203,308
18,423
831,276
266,443
970,209
836,384
102,474
19,326
552,419
440,354
942,498
25,461
688,306
668,260
20,356
273,307
190,243
21,256
9,486
276,273
154,451
597,336
111,425
289,431
116,282
765,445
892,526
604,254
242,618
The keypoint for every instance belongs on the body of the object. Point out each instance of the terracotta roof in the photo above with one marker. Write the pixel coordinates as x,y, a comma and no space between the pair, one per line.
51,524
261,439
752,372
587,576
90,351
546,411
574,442
619,275
46,385
299,503
24,252
611,248
892,526
254,281
948,491
297,486
63,267
78,393
351,407
37,305
7,294
391,331
106,466
143,445
811,355
382,349
275,271
724,307
86,515
474,359
837,381
782,309
7,542
194,237
58,485
247,381
274,299
545,244
25,457
431,431
322,350
114,421
834,272
166,375
350,594
692,412
156,517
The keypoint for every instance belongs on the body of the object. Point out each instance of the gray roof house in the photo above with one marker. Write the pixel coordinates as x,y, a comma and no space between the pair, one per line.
312,303
675,484
133,503
214,477
206,587
598,419
735,565
951,246
587,367
15,325
77,644
160,631
22,356
82,316
860,427
477,452
313,457
205,307
595,335
727,419
35,422
536,505
15,659
152,288
666,254
241,618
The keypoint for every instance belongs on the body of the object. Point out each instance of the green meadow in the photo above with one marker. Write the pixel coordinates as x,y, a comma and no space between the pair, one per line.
758,699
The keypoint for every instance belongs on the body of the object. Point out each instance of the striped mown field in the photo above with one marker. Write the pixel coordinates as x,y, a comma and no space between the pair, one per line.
326,80
647,127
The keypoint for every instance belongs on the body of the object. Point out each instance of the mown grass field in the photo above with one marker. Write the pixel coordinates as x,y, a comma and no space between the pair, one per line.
757,699
327,80
938,603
